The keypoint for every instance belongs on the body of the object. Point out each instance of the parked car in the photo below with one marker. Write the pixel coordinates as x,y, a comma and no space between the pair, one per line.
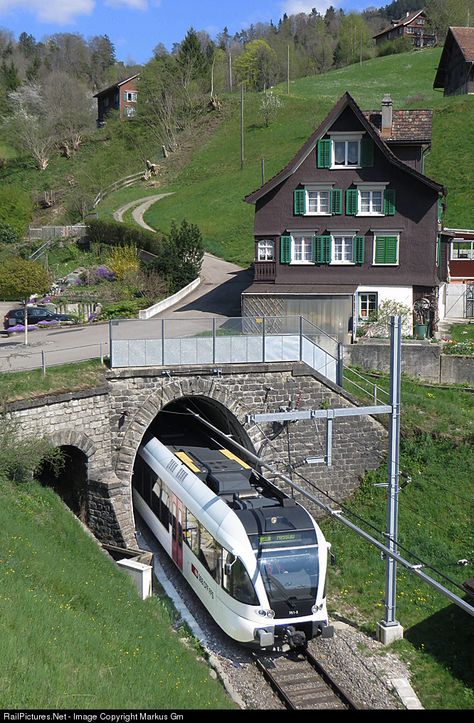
35,315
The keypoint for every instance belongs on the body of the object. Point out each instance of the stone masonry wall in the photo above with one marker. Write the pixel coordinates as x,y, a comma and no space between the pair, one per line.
108,425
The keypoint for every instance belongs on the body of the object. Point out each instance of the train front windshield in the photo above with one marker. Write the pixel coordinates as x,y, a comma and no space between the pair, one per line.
289,565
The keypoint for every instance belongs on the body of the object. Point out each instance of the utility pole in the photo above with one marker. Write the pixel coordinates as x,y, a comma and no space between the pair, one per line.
241,126
389,629
288,70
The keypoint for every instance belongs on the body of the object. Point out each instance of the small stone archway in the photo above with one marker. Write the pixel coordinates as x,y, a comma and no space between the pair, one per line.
70,479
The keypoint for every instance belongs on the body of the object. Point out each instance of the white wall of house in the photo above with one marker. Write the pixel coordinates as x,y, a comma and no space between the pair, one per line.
399,294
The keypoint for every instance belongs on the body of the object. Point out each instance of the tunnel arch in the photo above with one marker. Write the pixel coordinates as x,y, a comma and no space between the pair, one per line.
69,479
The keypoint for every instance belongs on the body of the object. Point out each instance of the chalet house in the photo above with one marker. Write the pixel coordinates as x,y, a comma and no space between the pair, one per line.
121,96
459,292
413,25
455,72
351,221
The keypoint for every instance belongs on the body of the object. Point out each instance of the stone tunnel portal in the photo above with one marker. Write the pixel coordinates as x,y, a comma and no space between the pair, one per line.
69,479
176,420
175,425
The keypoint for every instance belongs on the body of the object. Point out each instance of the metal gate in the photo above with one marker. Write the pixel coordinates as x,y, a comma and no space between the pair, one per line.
470,301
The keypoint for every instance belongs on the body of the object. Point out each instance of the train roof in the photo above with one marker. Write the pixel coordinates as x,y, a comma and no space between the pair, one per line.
261,520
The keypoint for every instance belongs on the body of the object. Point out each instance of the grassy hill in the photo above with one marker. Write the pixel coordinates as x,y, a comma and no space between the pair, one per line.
211,188
74,632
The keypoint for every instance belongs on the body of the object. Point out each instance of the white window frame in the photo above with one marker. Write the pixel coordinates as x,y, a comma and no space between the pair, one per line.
265,250
371,188
302,235
386,232
341,137
345,233
360,294
130,96
318,188
469,257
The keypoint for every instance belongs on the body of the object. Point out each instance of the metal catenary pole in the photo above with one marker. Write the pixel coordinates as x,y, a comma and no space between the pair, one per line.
393,471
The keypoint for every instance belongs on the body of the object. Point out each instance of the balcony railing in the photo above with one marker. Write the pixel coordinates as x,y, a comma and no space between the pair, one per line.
264,270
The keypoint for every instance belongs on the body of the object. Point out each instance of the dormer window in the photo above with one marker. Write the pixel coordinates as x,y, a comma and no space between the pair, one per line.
346,150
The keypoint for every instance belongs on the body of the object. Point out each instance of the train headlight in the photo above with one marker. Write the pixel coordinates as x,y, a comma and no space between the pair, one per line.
266,613
316,608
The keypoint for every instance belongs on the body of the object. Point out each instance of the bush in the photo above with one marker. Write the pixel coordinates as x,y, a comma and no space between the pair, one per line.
8,235
118,234
16,208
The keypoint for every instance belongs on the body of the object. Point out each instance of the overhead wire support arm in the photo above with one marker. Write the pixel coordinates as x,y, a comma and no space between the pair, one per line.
337,514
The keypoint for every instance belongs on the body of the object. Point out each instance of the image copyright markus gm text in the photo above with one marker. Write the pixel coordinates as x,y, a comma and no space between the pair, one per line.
92,716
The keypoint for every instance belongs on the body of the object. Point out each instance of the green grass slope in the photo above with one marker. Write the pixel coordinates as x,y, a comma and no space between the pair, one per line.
209,191
74,632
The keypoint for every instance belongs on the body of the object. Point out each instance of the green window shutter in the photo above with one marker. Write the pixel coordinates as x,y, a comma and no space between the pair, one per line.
379,257
285,249
322,249
336,201
391,248
299,202
359,249
327,242
352,202
386,248
324,154
366,152
389,196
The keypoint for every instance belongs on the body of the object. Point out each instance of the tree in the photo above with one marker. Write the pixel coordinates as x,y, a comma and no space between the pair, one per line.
30,125
257,66
355,40
19,279
269,106
71,110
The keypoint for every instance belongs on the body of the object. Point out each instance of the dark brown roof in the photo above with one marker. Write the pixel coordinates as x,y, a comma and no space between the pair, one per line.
116,85
413,126
464,39
398,23
299,289
345,101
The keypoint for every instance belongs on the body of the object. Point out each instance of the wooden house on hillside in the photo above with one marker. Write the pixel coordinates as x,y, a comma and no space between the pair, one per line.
121,96
351,221
455,72
413,25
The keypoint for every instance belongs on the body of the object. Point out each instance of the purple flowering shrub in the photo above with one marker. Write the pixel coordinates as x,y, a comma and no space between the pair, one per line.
20,327
101,273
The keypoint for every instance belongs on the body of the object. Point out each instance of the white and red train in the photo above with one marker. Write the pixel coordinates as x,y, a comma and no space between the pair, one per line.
254,556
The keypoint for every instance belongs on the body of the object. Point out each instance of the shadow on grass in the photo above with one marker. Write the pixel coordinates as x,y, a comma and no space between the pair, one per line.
448,636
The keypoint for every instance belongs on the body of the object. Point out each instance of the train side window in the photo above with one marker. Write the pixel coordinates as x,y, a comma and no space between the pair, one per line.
191,532
237,581
164,509
210,553
156,498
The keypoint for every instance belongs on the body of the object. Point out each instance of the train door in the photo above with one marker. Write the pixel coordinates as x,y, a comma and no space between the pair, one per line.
177,531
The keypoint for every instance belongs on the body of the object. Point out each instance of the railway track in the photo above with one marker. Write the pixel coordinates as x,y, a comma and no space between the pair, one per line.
301,682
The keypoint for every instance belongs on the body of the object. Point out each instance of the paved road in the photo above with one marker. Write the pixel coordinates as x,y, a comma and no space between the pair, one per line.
218,295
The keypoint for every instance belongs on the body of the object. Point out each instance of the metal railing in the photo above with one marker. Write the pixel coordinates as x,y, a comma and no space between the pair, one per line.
224,340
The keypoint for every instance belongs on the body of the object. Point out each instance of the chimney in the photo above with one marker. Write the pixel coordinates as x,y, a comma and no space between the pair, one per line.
386,127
